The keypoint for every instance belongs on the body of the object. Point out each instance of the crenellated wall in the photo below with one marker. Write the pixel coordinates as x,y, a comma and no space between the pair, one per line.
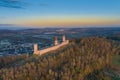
40,52
52,48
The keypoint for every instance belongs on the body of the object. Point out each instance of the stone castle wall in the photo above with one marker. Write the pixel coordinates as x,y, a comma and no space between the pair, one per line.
40,52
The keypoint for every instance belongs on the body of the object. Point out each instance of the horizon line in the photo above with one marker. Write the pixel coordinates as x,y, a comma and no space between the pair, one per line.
58,28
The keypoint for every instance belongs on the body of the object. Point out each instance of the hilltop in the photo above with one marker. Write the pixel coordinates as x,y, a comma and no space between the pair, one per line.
83,59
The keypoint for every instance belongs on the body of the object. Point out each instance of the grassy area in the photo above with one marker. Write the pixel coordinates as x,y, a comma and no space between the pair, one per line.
116,60
115,67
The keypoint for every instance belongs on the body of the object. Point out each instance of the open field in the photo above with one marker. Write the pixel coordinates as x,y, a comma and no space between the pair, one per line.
116,67
116,61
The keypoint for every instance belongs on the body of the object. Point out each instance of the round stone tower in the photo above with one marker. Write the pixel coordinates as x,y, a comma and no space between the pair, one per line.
63,38
35,48
56,41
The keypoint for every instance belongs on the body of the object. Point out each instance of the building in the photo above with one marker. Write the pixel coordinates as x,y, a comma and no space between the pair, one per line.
56,46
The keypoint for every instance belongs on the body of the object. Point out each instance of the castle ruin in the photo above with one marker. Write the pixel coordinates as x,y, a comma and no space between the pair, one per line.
56,46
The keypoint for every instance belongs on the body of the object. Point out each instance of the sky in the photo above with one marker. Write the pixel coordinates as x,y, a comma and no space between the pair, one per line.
59,13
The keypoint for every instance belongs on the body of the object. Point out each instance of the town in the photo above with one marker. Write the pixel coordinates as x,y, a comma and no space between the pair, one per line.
17,42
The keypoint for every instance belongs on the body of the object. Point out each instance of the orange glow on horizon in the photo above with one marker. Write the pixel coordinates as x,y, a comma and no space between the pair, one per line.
79,22
68,21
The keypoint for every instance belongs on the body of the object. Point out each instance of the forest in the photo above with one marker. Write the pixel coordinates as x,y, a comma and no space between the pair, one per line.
88,58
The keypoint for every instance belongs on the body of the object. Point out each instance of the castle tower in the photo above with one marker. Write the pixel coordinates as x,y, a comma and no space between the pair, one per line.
63,38
35,48
56,41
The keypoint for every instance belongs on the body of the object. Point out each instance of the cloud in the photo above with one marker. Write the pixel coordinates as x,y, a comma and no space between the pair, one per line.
18,4
11,4
7,24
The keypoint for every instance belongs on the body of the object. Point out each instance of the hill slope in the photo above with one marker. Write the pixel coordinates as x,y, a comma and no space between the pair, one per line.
84,59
